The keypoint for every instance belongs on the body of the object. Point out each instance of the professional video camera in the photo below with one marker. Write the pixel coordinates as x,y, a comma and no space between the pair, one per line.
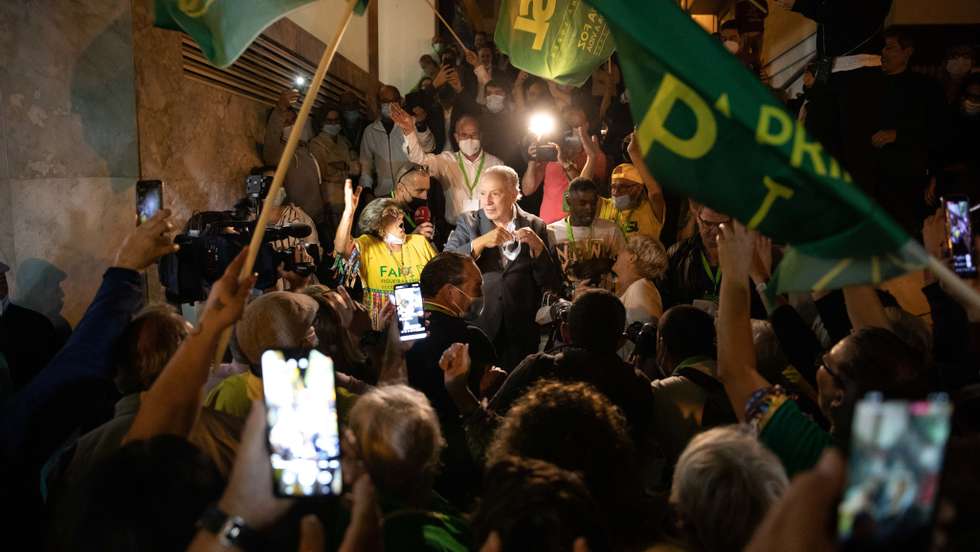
212,239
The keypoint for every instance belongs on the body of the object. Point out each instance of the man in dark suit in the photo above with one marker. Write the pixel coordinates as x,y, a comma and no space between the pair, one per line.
27,340
510,248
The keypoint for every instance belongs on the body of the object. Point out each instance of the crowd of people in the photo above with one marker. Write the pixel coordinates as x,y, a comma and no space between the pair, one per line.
604,367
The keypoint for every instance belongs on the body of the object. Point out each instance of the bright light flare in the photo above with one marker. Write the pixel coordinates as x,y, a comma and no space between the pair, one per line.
541,124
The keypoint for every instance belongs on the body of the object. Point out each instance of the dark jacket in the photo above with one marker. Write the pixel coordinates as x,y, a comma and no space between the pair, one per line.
847,27
27,341
512,291
686,280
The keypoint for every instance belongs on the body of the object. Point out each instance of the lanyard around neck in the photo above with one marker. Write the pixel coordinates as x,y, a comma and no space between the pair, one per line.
571,234
713,276
476,179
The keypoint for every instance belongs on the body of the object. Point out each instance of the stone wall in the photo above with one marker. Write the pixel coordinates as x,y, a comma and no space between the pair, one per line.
68,154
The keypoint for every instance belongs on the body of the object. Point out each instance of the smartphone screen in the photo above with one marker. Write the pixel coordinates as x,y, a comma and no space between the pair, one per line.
896,457
303,431
149,199
411,316
959,235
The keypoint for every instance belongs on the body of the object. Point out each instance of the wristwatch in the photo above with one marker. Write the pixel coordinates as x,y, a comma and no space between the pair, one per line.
230,530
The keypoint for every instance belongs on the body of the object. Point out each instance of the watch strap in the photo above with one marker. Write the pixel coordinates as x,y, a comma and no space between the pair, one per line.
230,530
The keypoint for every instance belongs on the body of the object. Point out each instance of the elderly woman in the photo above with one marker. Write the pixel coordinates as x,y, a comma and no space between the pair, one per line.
394,437
643,260
384,255
724,483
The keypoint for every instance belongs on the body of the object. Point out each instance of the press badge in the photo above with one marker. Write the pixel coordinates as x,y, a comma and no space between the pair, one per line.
471,205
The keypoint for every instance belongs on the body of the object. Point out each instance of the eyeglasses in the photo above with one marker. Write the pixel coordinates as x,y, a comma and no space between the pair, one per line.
713,224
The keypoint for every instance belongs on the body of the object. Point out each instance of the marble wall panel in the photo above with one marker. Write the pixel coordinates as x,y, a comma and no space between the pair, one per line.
68,155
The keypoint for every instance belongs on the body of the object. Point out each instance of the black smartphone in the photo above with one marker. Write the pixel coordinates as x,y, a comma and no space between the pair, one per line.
303,429
411,316
149,199
893,473
545,153
959,235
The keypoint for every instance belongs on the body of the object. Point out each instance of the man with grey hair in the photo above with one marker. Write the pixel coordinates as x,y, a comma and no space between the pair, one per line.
510,248
725,482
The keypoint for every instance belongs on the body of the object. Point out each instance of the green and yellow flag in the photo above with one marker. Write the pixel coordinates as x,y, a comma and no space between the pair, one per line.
710,130
224,28
560,40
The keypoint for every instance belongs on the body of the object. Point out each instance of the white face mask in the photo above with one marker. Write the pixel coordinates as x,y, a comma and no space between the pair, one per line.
495,103
732,46
959,66
470,146
394,239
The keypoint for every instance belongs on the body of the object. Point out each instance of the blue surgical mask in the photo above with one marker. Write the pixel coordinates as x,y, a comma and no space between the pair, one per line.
474,310
386,111
331,129
351,116
623,202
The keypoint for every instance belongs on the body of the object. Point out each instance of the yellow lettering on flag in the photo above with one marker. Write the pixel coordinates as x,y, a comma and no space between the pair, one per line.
801,147
764,133
723,106
540,12
776,191
654,129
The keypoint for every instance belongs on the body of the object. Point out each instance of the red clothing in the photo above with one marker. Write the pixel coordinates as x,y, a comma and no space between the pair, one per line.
556,183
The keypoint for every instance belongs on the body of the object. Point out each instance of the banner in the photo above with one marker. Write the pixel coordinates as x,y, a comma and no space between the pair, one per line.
225,28
560,40
711,131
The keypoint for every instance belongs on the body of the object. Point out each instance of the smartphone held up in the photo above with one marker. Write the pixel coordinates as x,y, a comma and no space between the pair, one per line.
410,312
149,199
959,235
303,427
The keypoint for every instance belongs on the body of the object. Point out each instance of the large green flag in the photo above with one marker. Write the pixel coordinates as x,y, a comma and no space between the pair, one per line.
561,40
710,130
224,28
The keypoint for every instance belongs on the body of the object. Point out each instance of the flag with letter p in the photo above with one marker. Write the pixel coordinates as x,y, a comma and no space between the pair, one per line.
224,28
711,131
560,40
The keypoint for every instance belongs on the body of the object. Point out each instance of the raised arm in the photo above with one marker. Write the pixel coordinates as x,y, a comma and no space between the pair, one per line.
517,92
736,354
415,144
86,357
172,404
636,157
864,308
534,175
273,144
592,152
342,238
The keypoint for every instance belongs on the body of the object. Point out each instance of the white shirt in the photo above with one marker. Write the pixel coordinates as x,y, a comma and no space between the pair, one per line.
642,301
462,194
382,154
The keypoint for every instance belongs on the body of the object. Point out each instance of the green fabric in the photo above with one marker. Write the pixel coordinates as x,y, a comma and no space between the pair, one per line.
561,40
439,528
710,130
224,28
230,396
794,438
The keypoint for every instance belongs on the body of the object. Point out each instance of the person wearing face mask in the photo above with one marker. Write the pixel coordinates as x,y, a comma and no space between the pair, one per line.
382,150
452,295
510,248
574,154
422,204
637,202
383,255
302,183
460,171
337,162
961,164
960,61
352,122
913,129
499,125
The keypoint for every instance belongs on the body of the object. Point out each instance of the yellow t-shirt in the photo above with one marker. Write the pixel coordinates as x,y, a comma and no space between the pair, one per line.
382,269
646,218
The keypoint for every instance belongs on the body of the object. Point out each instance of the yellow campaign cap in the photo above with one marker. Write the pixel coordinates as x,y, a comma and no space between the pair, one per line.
626,171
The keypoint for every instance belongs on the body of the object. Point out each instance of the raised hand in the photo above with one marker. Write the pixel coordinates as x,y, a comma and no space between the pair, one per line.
455,365
496,237
736,247
471,57
228,295
442,76
401,118
589,143
147,243
287,99
351,196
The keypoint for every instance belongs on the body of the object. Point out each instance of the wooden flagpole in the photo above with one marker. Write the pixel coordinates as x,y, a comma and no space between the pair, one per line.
448,26
285,158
